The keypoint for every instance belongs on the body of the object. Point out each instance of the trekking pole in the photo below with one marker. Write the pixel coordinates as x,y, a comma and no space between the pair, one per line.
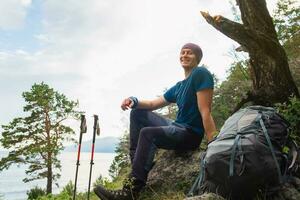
83,129
96,130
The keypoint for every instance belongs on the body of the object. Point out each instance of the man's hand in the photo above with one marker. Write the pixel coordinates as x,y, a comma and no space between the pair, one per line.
127,103
133,102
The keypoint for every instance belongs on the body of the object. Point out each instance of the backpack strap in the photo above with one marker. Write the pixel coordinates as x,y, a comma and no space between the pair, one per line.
271,148
233,152
199,179
193,188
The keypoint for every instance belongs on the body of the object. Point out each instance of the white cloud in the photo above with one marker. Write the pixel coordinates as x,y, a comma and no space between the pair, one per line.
4,55
13,13
26,2
43,38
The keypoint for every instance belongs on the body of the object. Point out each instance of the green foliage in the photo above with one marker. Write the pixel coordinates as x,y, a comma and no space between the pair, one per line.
122,159
66,193
61,196
287,19
106,183
287,23
100,181
291,112
69,189
230,92
168,111
65,196
35,192
37,138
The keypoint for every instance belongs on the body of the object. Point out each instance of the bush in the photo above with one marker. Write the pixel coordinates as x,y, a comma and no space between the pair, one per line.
121,159
61,196
291,112
69,189
105,182
35,192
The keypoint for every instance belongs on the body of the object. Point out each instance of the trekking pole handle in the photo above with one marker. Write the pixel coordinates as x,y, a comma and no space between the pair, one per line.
96,125
83,126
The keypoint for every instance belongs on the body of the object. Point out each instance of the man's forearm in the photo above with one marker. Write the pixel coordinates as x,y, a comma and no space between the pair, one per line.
209,126
145,104
153,104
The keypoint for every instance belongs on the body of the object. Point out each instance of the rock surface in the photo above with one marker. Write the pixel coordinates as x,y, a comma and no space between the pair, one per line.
206,196
174,168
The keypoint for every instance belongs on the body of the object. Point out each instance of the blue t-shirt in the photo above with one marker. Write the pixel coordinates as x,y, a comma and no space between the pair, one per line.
184,95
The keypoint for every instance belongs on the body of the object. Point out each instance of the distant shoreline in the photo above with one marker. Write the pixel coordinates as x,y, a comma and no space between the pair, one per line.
102,145
6,151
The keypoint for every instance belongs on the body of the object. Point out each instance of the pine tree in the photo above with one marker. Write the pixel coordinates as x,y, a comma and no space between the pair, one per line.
37,139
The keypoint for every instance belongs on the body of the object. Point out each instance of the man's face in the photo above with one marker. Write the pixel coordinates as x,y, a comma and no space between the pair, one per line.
188,59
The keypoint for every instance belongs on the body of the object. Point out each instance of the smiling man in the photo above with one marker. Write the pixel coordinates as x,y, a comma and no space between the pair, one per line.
149,131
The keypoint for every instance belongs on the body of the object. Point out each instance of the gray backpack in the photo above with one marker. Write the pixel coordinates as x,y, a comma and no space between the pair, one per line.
247,155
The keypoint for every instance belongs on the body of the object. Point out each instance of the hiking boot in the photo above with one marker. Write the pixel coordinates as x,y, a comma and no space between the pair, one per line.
130,191
123,194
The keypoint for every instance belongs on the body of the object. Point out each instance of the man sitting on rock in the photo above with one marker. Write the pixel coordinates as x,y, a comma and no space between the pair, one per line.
149,131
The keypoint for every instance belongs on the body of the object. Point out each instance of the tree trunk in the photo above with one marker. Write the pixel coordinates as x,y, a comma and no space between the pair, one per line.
49,154
49,173
270,73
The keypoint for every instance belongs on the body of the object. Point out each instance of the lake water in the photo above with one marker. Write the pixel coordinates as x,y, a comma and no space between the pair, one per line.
13,188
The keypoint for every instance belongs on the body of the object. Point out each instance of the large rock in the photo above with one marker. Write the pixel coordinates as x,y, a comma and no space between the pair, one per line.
174,169
177,171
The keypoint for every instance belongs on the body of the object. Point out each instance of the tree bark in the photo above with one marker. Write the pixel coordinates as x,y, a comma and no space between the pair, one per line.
49,154
270,73
49,174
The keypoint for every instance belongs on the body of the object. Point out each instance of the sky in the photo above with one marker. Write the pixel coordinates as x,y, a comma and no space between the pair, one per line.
99,52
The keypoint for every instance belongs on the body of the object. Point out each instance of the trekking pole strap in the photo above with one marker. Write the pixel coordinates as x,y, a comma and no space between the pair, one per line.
271,148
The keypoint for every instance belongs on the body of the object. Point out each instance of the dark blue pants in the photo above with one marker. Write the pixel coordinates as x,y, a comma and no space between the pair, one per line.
149,131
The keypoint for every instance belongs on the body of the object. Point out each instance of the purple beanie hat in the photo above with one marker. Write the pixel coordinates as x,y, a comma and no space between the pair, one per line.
196,50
